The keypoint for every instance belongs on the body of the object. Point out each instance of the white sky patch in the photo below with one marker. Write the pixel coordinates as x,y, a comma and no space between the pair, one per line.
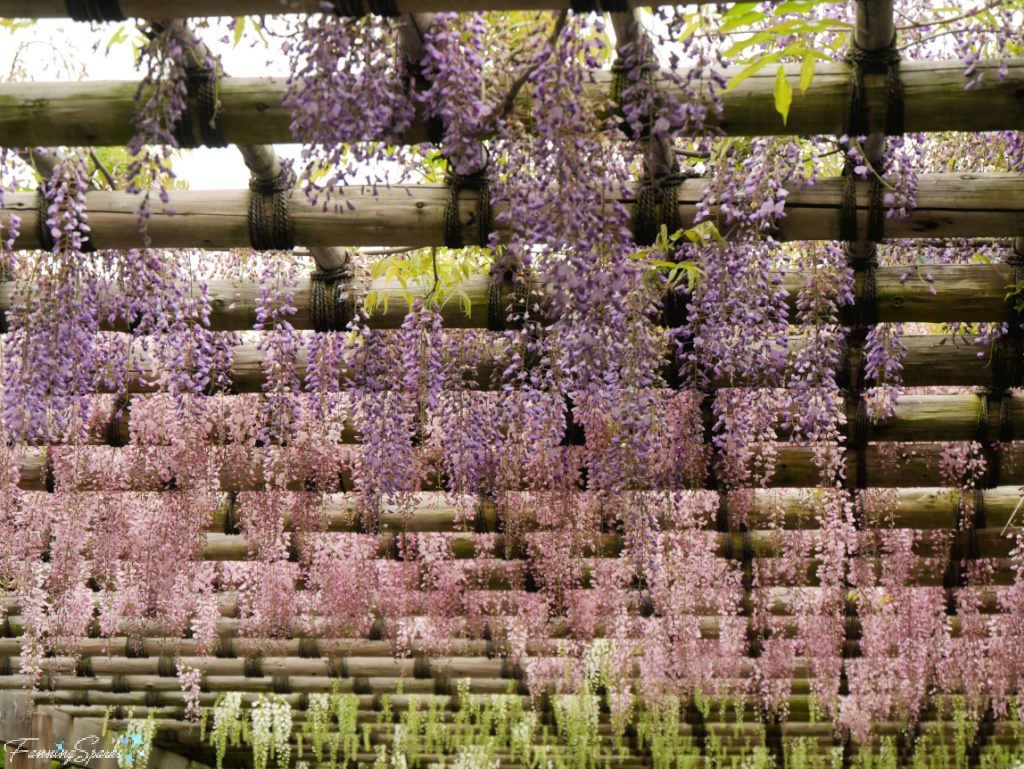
62,50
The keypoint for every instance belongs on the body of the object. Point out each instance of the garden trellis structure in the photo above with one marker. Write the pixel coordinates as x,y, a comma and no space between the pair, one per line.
713,460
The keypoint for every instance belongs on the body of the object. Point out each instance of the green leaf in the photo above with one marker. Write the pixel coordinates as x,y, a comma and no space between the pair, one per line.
118,37
806,73
742,45
747,19
783,94
239,29
756,66
795,6
738,9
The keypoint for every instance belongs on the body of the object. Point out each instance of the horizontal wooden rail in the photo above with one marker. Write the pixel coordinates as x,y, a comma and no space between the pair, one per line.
781,602
147,9
908,465
970,293
916,419
931,360
787,509
251,110
948,205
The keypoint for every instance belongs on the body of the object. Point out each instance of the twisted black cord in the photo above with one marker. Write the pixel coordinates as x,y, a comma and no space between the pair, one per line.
355,8
94,10
599,6
5,277
479,181
856,123
887,61
46,239
114,425
501,316
495,306
657,204
202,86
272,233
329,303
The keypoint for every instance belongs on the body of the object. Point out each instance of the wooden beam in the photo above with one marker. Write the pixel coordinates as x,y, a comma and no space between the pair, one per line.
56,9
931,361
98,113
916,419
932,294
917,464
948,205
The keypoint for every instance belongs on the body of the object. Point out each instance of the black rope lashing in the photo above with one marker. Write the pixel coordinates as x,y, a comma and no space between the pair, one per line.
329,301
202,86
882,61
154,700
361,685
338,668
135,648
274,232
94,10
309,648
356,8
856,123
500,316
83,668
80,699
224,648
421,668
1005,420
253,667
599,6
282,685
484,218
119,685
46,239
114,425
657,204
857,434
5,277
495,305
166,667
990,448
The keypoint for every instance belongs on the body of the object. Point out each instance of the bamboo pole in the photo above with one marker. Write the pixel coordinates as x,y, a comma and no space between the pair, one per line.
56,9
916,418
98,113
780,601
931,360
949,205
896,466
915,508
932,294
924,509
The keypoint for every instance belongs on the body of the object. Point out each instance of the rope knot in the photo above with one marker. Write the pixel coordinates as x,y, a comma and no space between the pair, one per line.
329,304
657,204
480,181
273,233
